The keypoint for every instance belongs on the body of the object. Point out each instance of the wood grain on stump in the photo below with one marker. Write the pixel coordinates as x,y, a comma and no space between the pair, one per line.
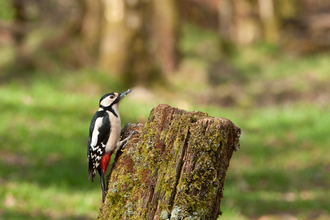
173,168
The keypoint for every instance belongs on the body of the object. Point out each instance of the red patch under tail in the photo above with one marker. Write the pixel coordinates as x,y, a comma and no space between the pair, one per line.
105,162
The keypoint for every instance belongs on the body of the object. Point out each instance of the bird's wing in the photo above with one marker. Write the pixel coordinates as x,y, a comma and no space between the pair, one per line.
99,132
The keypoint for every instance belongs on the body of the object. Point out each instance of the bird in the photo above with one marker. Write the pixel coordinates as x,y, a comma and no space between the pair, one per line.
104,134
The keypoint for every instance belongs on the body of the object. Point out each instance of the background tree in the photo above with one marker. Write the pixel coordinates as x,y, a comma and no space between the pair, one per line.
140,40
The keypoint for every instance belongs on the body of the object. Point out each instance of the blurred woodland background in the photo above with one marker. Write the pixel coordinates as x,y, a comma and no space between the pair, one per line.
264,64
146,42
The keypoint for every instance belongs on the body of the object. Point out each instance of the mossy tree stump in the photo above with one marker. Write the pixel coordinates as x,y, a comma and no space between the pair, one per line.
173,168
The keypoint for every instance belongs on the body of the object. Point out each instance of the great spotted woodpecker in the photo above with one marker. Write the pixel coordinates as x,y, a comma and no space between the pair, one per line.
104,134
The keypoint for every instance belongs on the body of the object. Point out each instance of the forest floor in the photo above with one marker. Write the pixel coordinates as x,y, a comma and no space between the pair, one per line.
280,102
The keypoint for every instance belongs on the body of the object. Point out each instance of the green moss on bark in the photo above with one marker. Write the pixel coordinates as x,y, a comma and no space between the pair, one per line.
175,167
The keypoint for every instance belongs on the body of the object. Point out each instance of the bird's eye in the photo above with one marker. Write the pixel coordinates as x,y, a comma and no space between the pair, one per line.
111,97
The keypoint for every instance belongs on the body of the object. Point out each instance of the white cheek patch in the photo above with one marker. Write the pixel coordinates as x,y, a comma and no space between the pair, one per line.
106,101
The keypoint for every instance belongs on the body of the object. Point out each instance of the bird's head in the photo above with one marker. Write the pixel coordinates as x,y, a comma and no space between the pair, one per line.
112,99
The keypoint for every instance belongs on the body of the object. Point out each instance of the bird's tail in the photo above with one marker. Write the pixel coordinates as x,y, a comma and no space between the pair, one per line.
91,171
102,184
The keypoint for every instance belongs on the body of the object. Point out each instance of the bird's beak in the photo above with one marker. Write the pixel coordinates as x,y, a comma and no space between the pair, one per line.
122,95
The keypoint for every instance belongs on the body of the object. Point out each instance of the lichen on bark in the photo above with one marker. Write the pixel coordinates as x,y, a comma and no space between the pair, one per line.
174,167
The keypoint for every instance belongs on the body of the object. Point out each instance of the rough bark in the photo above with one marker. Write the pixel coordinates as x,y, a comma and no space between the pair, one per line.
173,168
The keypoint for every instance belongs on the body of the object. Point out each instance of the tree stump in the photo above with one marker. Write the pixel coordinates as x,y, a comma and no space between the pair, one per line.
173,168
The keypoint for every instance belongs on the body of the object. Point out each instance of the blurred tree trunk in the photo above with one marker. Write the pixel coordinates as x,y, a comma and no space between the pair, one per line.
19,21
19,32
114,37
165,33
91,25
246,26
140,66
245,22
139,39
225,16
268,19
225,19
174,167
238,24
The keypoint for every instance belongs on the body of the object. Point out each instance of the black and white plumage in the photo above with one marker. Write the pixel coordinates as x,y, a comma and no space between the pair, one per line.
99,134
104,134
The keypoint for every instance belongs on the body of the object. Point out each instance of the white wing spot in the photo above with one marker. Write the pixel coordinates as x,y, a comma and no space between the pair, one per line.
95,134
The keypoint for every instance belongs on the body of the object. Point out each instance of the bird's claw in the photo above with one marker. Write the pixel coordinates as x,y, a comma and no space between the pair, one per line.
125,141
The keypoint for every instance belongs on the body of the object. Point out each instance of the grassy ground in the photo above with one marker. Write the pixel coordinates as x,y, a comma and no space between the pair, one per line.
283,166
281,170
281,105
43,133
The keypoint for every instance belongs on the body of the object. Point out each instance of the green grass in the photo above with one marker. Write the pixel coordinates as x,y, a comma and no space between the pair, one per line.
282,170
282,167
43,133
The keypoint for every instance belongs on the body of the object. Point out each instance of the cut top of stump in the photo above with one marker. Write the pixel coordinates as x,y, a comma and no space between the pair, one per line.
173,168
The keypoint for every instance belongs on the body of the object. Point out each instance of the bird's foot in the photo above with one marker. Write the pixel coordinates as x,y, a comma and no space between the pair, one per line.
124,142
